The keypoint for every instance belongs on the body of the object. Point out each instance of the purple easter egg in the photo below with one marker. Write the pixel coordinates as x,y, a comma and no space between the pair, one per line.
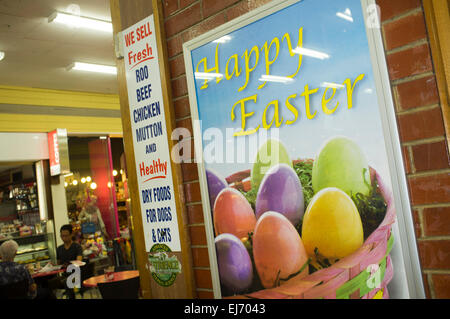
235,265
282,192
215,184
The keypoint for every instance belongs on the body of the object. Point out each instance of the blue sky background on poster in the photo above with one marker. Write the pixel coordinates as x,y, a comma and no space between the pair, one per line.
346,44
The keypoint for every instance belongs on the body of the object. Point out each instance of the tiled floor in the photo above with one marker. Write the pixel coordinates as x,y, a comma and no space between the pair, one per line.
92,293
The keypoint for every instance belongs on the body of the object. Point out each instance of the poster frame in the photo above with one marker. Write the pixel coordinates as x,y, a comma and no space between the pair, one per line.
407,240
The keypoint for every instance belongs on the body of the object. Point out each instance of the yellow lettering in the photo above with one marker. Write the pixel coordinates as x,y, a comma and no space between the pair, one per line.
269,62
235,71
244,115
325,102
276,115
299,44
306,94
247,57
206,70
350,89
292,109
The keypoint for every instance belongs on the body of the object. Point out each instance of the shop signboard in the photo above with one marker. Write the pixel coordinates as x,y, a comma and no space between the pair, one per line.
150,138
302,180
58,152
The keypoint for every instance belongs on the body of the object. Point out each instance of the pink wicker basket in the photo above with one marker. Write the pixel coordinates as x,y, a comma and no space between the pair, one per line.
361,275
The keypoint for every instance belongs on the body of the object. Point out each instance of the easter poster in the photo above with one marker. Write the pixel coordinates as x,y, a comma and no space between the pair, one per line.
295,163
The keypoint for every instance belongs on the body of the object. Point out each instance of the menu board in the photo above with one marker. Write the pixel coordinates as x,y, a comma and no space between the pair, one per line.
299,182
150,139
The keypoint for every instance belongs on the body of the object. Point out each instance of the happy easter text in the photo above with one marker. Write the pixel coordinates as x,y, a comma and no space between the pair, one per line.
241,65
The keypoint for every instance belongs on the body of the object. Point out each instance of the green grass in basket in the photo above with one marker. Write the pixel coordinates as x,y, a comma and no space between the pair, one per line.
372,209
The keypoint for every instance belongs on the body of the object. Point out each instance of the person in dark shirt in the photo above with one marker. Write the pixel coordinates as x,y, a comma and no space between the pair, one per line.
65,253
11,272
70,250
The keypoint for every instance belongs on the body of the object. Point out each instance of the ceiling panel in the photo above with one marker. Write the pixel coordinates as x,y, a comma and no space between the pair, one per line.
38,52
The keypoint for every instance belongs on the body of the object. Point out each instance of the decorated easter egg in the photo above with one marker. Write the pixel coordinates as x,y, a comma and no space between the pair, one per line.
272,152
233,214
282,192
341,164
278,250
332,226
215,184
234,263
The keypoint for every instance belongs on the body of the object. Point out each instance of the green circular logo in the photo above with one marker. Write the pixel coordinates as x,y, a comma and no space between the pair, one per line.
164,269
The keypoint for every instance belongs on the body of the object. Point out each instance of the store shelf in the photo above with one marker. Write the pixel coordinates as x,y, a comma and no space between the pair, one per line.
36,261
10,234
27,240
98,258
23,237
28,211
32,252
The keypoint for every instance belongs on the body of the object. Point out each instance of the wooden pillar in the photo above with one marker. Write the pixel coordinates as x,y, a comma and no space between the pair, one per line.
125,13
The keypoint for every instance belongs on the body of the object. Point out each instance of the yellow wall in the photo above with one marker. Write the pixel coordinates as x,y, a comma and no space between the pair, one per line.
47,123
13,122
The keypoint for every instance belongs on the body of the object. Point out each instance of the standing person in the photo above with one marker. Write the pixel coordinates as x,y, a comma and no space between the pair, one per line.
91,214
12,272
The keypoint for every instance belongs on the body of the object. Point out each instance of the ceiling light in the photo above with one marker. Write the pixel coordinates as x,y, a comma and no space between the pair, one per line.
275,78
75,182
88,179
92,68
332,85
207,76
311,53
346,15
223,39
93,185
79,21
114,173
2,55
83,180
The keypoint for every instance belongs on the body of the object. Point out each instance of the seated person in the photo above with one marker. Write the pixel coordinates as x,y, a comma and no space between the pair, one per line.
12,272
66,253
70,250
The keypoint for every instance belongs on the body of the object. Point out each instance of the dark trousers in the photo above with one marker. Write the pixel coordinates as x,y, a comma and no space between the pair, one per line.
44,293
60,282
43,290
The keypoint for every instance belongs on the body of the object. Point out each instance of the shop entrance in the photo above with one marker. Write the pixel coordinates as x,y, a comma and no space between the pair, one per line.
97,201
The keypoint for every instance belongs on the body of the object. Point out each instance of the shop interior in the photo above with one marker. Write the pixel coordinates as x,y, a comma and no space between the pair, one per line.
22,219
98,204
93,196
98,207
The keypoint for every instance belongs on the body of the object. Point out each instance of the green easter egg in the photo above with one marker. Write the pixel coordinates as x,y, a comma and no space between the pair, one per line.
341,164
269,154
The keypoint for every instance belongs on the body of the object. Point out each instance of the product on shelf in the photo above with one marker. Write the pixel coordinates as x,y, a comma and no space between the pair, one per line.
25,231
45,257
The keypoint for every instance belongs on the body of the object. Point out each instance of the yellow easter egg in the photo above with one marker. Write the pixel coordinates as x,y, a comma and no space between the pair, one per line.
332,225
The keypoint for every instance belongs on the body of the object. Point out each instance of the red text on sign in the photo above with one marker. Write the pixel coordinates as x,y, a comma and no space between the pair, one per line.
134,58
